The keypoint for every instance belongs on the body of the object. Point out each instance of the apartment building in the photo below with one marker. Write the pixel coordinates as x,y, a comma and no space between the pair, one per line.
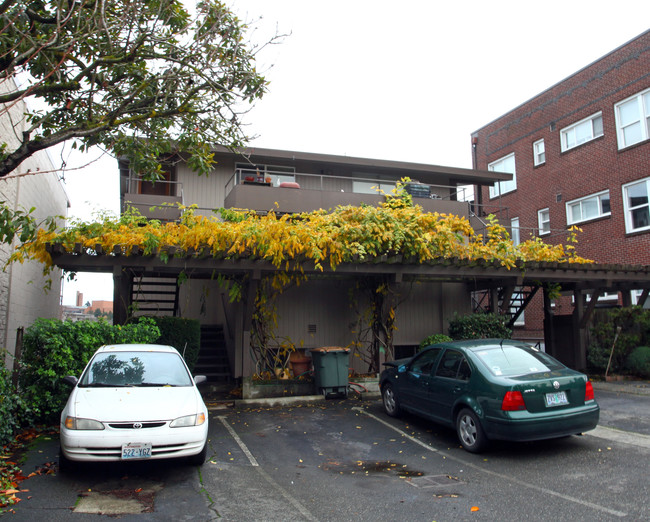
579,153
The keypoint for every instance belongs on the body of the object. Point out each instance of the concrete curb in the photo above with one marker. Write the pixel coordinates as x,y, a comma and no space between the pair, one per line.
631,387
272,402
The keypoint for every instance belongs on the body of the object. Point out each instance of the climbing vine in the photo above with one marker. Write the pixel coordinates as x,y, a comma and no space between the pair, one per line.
345,235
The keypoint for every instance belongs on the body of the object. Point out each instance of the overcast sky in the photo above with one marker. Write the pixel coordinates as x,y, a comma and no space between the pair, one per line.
405,80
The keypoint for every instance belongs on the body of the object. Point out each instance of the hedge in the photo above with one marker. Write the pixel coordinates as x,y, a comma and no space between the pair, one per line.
53,349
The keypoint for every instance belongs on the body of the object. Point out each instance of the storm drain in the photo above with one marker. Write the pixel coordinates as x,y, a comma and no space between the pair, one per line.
121,501
434,482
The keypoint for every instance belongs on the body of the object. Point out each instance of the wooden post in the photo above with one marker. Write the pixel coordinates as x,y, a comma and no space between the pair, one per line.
121,295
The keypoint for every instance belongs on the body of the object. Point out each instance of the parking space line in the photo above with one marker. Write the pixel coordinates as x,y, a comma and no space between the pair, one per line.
626,437
292,500
494,473
240,442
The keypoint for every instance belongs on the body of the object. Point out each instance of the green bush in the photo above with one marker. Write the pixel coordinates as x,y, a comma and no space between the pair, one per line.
53,349
435,339
635,331
182,334
479,326
638,362
10,405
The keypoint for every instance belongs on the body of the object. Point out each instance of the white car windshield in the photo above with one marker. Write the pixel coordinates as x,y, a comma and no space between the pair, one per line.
115,369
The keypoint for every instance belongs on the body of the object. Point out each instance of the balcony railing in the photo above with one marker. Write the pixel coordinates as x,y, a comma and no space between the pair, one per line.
157,200
329,183
269,190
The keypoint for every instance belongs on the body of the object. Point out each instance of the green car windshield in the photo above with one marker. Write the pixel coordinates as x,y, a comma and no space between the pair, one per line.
116,369
508,360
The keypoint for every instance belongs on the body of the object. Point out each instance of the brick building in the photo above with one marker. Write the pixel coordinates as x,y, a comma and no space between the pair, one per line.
579,153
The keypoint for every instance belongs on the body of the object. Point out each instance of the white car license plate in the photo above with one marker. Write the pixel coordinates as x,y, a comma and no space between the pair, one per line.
556,399
136,450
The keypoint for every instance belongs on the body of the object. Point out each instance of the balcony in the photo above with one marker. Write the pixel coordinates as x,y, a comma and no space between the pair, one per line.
300,192
157,200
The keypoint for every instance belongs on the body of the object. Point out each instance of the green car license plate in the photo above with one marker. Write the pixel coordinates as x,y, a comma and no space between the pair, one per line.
556,399
136,450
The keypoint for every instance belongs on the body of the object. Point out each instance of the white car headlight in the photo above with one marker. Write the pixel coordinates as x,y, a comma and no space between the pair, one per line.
73,423
189,420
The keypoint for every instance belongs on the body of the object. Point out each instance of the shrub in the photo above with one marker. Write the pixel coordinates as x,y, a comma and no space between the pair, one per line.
53,349
435,339
182,334
638,362
635,331
10,405
479,326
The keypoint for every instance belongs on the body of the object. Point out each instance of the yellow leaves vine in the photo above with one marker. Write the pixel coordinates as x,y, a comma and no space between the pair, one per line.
345,235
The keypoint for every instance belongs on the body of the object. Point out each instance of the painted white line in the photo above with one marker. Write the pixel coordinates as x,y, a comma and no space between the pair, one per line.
495,474
292,500
240,442
626,437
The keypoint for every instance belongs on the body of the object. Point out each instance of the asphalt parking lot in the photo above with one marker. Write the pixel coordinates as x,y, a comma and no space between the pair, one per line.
345,460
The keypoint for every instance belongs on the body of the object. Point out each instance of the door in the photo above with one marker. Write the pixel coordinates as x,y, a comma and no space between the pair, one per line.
450,381
415,391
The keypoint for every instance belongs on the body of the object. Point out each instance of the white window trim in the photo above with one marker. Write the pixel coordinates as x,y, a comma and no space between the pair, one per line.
515,231
645,131
597,197
497,190
537,153
566,130
628,215
540,223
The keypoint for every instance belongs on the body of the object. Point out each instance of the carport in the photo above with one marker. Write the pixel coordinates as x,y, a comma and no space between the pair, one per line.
564,335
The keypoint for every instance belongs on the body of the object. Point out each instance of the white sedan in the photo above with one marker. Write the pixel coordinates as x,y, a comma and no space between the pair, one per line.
134,402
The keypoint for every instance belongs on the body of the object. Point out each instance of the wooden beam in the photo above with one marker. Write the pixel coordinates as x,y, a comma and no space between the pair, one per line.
590,308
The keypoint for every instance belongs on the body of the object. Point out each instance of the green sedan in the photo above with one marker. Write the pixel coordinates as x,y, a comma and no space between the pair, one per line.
491,389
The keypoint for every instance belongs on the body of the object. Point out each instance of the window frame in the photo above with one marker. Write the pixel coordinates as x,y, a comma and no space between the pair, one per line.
629,229
579,201
515,226
504,187
564,146
540,223
537,153
643,113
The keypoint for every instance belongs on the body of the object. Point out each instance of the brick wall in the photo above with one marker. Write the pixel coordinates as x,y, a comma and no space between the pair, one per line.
584,170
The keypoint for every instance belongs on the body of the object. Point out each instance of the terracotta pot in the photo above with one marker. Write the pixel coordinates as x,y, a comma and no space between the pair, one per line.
300,363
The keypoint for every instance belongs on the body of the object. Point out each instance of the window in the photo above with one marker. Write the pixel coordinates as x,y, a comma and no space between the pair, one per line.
539,153
371,187
581,132
514,231
505,164
636,296
163,186
590,207
426,362
633,119
636,205
544,220
454,366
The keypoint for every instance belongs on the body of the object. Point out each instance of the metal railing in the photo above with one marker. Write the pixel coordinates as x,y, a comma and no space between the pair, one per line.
330,183
133,186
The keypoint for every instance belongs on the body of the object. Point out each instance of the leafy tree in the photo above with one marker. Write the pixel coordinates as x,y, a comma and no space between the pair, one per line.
141,78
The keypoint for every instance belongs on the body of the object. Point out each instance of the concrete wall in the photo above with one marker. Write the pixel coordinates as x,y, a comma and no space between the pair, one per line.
22,295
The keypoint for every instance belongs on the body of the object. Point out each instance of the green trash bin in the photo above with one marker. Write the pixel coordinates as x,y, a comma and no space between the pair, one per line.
331,366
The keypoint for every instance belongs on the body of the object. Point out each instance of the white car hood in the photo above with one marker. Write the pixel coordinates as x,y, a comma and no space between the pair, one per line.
134,404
